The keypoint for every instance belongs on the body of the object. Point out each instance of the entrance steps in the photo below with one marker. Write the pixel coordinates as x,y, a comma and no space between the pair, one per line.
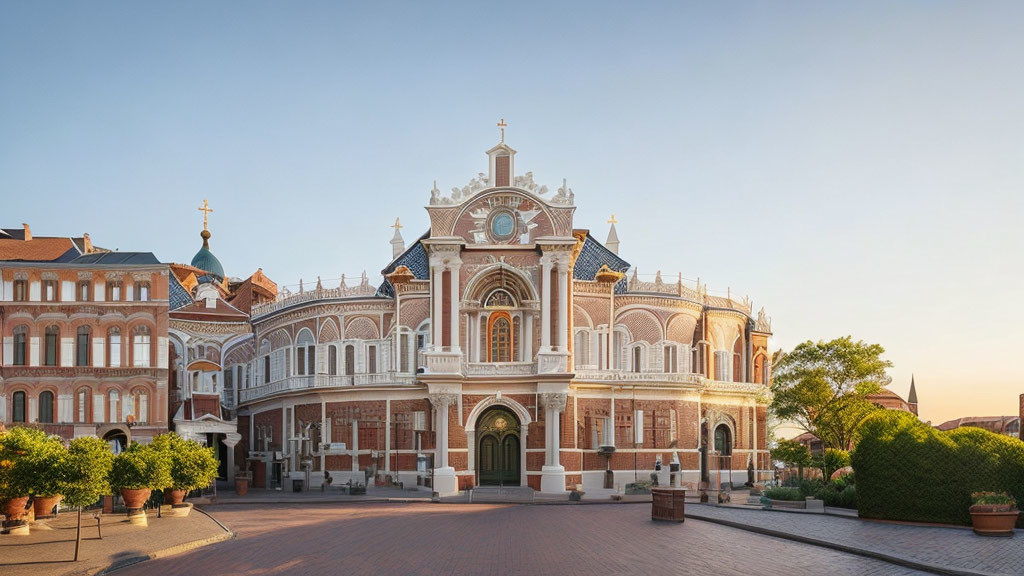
502,494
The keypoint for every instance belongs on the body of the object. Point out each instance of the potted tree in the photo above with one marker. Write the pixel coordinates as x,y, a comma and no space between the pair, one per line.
17,448
48,461
993,513
136,472
85,476
193,466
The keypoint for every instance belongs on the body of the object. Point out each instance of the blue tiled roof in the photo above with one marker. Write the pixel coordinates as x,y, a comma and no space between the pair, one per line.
117,258
414,258
592,256
178,297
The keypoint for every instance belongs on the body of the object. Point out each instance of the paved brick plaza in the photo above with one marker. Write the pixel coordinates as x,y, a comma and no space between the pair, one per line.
326,539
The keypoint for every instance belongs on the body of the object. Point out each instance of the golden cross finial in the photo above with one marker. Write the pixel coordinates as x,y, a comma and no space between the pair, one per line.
396,225
613,220
205,209
501,126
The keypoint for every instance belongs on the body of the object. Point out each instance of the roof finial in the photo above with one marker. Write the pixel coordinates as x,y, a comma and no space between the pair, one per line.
205,209
612,220
502,126
396,225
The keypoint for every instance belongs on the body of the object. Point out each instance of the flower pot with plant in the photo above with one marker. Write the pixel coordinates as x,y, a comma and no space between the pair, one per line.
49,459
993,513
19,453
192,466
138,471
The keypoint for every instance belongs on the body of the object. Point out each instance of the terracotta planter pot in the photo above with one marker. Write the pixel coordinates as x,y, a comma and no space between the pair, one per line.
134,499
14,508
993,520
241,486
43,505
173,497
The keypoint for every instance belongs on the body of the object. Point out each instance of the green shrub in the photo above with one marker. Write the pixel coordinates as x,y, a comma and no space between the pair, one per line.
833,460
193,465
23,454
784,493
906,470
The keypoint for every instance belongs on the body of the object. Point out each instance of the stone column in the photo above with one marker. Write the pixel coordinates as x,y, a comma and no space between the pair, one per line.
563,306
230,441
453,270
445,482
545,305
553,473
528,336
436,278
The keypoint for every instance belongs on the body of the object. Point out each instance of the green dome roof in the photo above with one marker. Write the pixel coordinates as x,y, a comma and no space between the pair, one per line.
205,260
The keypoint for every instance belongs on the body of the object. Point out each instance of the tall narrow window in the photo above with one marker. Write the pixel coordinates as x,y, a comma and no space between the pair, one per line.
19,407
305,354
332,360
637,359
21,290
52,340
300,360
128,407
115,399
83,291
140,347
82,346
114,337
266,369
671,364
142,406
581,348
371,359
50,291
350,360
114,291
142,291
499,335
20,345
517,339
46,407
83,399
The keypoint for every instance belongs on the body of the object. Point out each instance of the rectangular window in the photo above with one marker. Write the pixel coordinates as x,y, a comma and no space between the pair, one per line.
114,291
51,348
311,361
21,290
20,342
371,359
266,369
140,351
300,363
142,291
82,348
49,290
82,398
229,379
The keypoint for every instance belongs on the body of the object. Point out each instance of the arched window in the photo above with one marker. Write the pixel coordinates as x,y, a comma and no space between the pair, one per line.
638,354
114,339
82,346
46,407
128,407
723,440
305,354
18,414
499,337
20,345
140,347
350,360
332,360
141,406
52,341
115,399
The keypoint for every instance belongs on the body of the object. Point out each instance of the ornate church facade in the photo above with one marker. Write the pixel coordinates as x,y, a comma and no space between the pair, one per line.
504,346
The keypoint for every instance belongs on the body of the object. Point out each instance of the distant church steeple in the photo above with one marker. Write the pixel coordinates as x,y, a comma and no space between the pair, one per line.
502,169
397,242
612,243
912,396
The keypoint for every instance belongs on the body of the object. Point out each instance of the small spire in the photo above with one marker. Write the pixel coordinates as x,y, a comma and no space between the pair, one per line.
612,243
397,242
912,397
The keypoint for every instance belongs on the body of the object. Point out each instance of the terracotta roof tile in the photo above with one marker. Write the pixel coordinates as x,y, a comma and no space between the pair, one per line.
35,250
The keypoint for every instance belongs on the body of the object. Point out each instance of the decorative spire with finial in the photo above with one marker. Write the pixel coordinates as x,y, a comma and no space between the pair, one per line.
397,242
502,126
612,243
205,234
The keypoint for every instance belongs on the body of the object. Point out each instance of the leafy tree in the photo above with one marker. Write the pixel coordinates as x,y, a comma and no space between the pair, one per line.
792,454
193,465
141,466
85,472
822,387
19,448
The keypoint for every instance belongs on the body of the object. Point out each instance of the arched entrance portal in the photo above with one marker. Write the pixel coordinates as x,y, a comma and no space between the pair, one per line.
497,448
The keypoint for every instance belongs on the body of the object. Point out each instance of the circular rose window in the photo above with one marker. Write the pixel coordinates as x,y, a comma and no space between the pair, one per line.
502,226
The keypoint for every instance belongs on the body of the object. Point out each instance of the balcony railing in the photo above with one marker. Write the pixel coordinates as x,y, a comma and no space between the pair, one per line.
319,381
499,368
697,380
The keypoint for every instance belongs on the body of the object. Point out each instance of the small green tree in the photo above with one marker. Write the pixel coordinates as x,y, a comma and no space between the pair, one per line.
193,465
47,463
792,454
141,466
85,473
19,449
832,460
823,387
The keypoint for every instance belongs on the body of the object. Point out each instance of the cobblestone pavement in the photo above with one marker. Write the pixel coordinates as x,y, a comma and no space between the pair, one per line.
423,538
51,545
956,548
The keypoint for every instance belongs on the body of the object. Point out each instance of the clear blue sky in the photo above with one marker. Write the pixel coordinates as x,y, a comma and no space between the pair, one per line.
857,169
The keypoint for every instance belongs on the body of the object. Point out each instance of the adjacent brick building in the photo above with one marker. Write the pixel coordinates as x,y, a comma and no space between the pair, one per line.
84,338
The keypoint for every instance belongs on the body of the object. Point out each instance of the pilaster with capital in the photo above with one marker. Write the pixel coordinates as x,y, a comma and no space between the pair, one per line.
441,402
554,404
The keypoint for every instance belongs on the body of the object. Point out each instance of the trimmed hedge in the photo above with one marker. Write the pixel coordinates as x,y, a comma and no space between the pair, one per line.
907,470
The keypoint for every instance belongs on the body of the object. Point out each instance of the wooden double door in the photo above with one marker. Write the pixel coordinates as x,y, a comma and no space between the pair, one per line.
498,461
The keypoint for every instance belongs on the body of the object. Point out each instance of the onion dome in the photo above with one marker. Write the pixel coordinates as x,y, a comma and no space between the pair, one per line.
205,260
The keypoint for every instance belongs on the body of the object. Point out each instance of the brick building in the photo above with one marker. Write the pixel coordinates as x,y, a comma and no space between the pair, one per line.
504,346
84,338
